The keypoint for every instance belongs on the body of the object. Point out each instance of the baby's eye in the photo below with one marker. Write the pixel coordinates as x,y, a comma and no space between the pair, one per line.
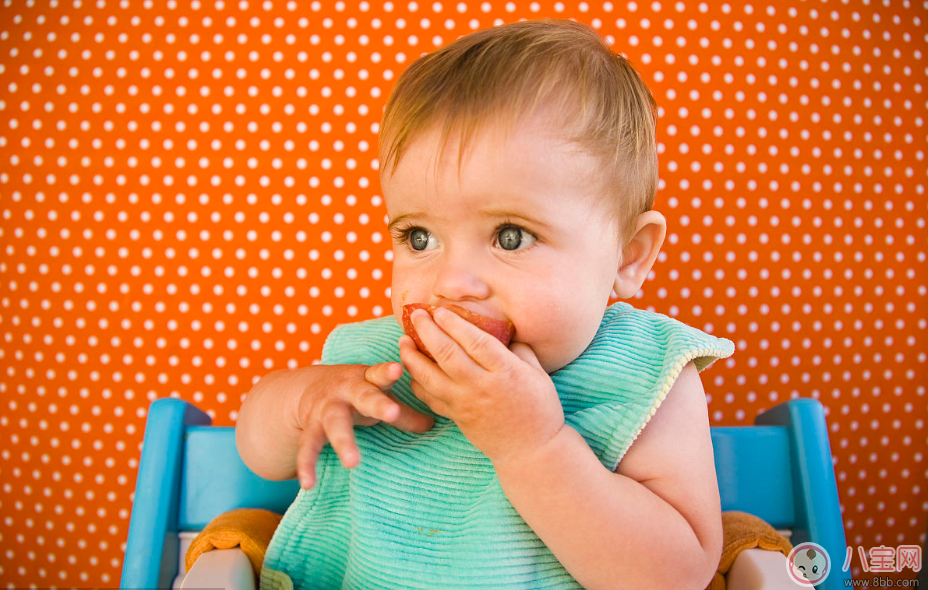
420,239
512,237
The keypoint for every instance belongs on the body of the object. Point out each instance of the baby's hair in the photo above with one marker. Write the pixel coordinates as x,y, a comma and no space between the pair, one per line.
498,77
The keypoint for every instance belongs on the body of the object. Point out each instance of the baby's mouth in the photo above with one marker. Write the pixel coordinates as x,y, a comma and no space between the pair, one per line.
502,330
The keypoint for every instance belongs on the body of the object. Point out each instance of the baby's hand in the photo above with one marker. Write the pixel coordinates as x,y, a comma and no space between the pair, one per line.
501,398
344,396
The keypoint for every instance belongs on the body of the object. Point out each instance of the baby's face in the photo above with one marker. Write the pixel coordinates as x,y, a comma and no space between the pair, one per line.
521,235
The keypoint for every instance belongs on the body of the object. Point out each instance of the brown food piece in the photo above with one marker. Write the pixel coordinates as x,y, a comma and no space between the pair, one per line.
502,330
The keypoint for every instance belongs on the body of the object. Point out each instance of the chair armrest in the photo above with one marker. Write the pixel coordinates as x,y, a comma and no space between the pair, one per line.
221,568
758,569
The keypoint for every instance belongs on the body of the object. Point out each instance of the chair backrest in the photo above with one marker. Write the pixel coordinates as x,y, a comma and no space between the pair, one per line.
779,470
755,472
216,480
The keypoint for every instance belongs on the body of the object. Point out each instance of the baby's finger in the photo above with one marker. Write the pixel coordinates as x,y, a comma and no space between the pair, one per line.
338,424
421,368
449,353
484,349
371,402
436,405
410,420
312,439
384,375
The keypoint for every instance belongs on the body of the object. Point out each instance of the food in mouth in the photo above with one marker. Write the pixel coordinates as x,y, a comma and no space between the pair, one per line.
502,330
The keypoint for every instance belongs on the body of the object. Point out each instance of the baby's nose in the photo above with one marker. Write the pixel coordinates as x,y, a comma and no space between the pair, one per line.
459,278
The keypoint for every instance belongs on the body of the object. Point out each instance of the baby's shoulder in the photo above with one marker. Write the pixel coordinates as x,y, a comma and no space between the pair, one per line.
648,334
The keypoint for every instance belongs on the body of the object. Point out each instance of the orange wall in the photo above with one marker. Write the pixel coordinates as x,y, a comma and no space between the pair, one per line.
189,200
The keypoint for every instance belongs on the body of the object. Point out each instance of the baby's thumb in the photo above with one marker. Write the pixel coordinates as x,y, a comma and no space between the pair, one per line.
384,375
525,352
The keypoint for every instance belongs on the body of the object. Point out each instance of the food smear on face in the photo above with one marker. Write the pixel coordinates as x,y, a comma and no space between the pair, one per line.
502,330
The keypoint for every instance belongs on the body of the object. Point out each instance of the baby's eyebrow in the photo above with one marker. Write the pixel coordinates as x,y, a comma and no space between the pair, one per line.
488,213
502,213
400,218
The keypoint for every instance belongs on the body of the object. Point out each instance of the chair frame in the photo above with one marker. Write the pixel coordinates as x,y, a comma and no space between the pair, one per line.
780,470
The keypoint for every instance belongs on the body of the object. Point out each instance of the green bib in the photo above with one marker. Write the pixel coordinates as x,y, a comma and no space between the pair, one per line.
426,511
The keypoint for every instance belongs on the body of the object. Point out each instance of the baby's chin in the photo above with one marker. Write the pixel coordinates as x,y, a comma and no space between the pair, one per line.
555,356
554,366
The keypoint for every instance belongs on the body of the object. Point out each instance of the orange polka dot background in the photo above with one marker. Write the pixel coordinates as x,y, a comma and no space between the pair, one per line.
190,200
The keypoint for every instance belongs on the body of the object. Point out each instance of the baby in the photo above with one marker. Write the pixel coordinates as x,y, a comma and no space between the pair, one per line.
518,168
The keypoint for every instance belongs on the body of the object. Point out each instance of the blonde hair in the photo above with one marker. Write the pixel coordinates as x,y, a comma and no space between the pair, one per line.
503,75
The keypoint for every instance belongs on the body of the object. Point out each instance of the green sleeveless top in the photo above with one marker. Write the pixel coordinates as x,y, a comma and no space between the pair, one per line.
426,511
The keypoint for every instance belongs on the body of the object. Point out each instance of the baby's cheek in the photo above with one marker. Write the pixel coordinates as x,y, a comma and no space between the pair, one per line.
558,341
399,291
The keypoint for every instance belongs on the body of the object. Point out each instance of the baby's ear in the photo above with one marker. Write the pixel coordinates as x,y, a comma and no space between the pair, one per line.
639,253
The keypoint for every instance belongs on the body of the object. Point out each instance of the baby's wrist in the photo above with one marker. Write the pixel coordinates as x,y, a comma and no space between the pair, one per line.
550,448
311,383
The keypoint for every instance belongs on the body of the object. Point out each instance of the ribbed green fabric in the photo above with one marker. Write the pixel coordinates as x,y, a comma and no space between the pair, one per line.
426,511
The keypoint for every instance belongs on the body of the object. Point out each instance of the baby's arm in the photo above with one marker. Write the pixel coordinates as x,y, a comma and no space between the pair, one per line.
288,417
654,523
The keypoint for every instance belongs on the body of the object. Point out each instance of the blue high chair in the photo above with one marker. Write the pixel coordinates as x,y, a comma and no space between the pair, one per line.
780,470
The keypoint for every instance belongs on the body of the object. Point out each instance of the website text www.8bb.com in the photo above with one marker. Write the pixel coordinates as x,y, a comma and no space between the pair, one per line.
880,582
